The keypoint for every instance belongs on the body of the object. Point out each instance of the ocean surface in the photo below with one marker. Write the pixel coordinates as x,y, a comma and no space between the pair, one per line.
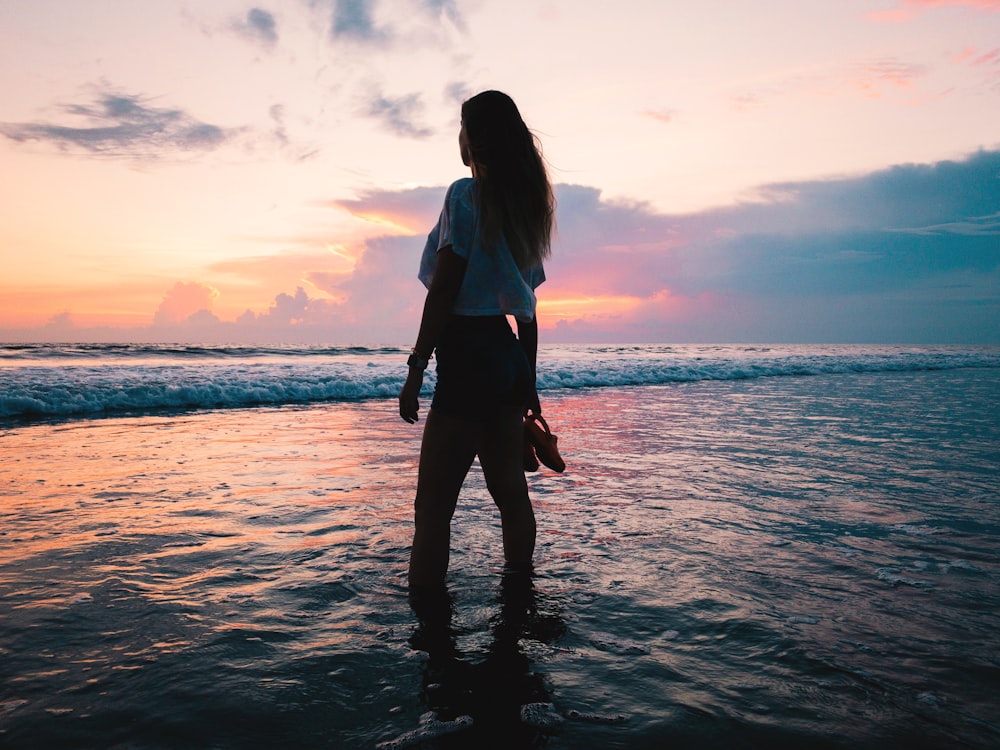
752,547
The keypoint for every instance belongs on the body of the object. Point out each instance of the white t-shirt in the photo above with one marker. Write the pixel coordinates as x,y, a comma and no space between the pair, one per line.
493,284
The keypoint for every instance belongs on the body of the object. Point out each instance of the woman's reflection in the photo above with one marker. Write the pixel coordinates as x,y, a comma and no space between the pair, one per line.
509,704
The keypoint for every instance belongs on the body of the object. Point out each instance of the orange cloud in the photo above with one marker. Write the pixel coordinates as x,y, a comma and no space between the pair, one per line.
663,316
120,305
572,308
609,312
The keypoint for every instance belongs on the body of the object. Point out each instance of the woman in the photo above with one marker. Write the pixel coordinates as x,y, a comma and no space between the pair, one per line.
481,263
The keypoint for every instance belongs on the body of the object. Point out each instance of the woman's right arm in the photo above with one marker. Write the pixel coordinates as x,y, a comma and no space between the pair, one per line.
449,271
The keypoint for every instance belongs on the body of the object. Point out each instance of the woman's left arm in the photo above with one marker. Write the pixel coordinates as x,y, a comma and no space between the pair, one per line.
527,334
449,271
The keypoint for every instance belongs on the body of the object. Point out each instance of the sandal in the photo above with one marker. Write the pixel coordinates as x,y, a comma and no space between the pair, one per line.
538,435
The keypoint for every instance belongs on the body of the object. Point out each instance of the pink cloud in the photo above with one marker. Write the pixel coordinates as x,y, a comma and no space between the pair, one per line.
384,288
252,280
607,248
410,211
964,55
747,102
986,64
183,301
908,9
990,58
986,5
665,116
872,78
974,57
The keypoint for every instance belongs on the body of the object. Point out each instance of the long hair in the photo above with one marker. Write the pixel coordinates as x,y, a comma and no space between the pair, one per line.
512,187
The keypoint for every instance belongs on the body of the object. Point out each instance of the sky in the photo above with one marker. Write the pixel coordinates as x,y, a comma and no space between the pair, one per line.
267,171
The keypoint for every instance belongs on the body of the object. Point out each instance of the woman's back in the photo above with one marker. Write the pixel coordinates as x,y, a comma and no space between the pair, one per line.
493,283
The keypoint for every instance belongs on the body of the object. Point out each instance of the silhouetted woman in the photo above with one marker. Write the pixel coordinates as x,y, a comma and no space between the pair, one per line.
481,263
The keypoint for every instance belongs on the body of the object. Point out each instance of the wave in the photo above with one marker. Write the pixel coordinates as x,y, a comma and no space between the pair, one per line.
89,391
757,362
48,352
209,378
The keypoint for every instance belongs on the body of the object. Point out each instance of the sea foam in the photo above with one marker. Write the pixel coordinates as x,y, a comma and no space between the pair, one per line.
39,381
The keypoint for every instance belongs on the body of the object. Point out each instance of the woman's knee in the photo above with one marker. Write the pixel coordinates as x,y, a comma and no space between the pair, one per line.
431,511
510,495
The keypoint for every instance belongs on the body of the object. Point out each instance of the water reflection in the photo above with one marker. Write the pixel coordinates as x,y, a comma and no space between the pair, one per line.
492,699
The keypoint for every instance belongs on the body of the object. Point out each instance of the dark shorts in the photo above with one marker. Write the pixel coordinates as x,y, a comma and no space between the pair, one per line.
482,370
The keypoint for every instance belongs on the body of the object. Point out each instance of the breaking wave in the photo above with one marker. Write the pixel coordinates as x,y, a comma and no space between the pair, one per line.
45,381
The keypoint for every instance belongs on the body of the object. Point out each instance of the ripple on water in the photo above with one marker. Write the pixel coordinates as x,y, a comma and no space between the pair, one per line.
745,562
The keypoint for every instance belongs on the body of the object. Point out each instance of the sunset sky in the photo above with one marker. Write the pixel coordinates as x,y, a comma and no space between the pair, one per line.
768,171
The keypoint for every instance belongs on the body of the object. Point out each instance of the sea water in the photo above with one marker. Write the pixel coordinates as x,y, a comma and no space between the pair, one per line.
48,380
751,547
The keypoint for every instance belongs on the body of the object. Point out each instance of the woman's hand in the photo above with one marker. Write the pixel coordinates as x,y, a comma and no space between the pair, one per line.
534,407
408,403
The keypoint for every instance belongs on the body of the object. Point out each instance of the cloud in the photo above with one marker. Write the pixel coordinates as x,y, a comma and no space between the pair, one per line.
985,5
986,63
377,25
447,9
259,26
897,254
184,300
291,318
666,116
908,9
905,195
872,77
609,248
409,211
376,312
885,242
122,125
384,288
458,91
275,138
352,19
60,324
277,115
973,225
399,114
290,309
261,275
989,58
903,255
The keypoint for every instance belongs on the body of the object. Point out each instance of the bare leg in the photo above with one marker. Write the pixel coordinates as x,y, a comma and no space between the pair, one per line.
446,453
502,459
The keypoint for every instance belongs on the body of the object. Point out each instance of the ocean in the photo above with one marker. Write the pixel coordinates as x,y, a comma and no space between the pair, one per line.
752,547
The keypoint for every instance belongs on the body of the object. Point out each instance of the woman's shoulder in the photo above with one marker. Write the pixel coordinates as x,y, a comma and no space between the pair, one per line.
460,202
461,188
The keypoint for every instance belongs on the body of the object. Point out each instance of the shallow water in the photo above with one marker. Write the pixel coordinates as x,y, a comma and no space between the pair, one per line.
778,562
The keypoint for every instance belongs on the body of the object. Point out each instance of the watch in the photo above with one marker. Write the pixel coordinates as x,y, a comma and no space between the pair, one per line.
415,360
